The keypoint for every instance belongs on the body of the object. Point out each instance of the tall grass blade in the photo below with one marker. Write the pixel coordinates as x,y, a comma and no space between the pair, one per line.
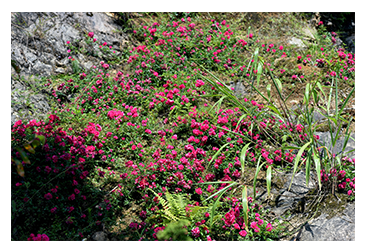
330,97
346,101
336,99
240,119
317,167
297,160
259,72
279,84
307,91
242,158
218,152
268,178
307,168
347,135
255,176
245,206
218,103
222,190
269,91
320,88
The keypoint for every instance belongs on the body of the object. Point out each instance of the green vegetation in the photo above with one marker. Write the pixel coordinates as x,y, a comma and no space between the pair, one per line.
166,131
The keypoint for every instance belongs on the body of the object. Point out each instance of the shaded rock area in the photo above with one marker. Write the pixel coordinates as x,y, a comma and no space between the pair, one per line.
100,236
338,228
334,220
25,104
344,24
38,48
325,140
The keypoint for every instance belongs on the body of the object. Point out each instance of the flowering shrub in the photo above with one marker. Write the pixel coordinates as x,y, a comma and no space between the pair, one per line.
125,134
39,237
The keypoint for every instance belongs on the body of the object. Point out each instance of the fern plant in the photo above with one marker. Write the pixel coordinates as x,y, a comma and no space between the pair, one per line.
175,217
173,206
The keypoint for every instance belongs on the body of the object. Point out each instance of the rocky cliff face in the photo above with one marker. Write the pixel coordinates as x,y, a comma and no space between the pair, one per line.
38,48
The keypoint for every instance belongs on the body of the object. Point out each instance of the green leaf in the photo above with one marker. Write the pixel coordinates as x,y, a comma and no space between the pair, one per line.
245,206
23,155
41,138
347,135
317,167
297,160
279,85
307,91
259,72
242,157
218,152
346,101
256,175
269,91
35,142
222,190
29,148
268,178
274,109
320,87
218,103
241,119
216,203
307,171
19,167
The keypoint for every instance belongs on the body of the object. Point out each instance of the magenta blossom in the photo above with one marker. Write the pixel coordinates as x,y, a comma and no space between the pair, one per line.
199,191
195,232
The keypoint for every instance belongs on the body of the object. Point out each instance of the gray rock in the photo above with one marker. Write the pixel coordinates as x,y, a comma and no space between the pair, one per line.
339,228
287,199
350,42
38,39
38,48
100,236
325,139
297,42
309,32
239,89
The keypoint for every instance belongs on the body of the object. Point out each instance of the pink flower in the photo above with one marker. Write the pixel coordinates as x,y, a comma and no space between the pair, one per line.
199,191
199,83
91,34
269,227
48,196
280,48
71,197
39,237
148,131
243,233
195,232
